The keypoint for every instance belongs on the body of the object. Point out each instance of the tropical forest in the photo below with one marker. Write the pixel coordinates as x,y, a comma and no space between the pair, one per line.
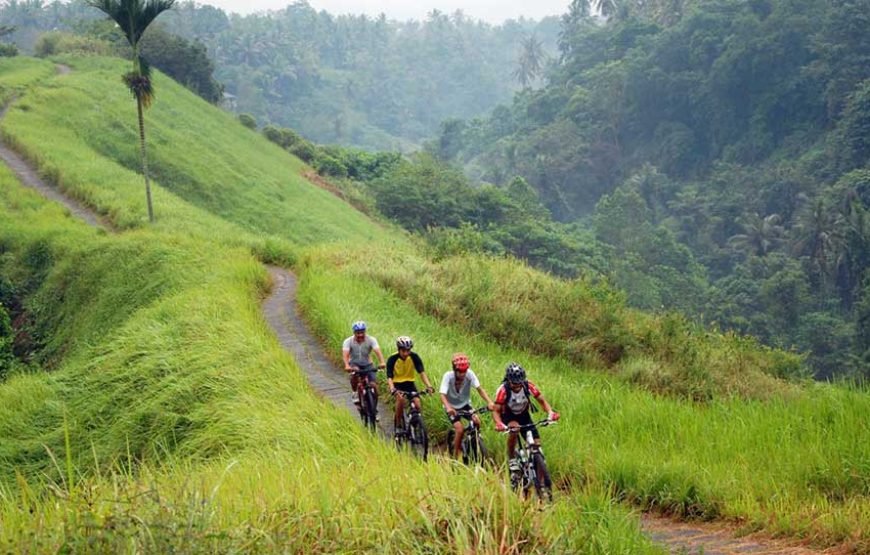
643,226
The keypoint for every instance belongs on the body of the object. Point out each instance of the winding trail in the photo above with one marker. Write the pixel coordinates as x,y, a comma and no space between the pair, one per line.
281,313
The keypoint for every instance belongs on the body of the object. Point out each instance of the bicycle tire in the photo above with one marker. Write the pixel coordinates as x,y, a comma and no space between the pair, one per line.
469,448
482,453
543,483
419,441
401,435
370,418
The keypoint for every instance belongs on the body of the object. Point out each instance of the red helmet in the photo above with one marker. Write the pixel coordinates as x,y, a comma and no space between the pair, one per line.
460,362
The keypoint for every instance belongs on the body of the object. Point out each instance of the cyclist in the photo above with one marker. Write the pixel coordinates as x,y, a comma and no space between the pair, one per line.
357,354
456,395
513,403
401,367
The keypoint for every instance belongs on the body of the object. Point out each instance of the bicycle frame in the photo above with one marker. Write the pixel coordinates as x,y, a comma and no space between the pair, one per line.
527,467
413,430
367,395
473,449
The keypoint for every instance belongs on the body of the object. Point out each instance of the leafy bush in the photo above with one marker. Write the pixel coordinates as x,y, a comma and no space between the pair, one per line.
8,50
59,42
248,121
7,358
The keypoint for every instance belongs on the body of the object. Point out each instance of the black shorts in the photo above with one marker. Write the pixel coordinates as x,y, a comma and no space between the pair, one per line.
456,418
407,387
523,419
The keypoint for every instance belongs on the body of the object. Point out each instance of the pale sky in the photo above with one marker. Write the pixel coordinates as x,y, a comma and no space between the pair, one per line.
493,11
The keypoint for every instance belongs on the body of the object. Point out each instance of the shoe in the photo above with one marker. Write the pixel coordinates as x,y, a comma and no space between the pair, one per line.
355,398
514,465
377,418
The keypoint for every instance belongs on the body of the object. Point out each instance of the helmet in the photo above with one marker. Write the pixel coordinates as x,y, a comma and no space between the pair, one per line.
359,325
514,373
460,362
404,342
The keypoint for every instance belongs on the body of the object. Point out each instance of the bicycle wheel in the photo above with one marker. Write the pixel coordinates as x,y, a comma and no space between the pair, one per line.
419,440
482,453
369,401
472,452
543,484
401,435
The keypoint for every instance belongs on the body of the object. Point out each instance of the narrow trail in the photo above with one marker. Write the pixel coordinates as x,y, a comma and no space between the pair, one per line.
281,313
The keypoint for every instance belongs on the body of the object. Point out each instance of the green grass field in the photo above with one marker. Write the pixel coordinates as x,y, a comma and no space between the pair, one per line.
159,412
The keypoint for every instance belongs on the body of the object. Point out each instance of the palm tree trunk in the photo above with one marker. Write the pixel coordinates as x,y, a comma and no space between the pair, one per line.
144,159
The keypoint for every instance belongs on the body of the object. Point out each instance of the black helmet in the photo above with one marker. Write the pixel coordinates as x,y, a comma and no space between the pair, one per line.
514,373
404,342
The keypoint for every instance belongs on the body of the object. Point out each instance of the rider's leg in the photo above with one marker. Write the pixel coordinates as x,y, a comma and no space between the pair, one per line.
400,406
512,441
476,420
458,430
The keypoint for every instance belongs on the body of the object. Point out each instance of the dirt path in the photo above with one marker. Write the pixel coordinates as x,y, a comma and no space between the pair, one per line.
282,314
280,311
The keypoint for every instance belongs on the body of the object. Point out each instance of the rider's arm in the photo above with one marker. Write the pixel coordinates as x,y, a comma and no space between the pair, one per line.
391,369
551,414
418,366
496,416
489,404
380,354
447,407
345,354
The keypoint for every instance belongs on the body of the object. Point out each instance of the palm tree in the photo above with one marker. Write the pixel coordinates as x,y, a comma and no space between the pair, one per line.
530,63
760,235
133,17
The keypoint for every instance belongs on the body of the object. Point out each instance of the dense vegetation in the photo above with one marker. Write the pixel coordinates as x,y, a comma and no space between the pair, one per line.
211,387
718,151
159,414
346,79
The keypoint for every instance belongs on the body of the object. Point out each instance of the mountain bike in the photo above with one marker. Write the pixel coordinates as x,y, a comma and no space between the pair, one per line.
473,449
528,467
367,397
410,430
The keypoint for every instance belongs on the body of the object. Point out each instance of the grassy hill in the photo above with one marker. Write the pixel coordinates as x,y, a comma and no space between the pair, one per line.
158,411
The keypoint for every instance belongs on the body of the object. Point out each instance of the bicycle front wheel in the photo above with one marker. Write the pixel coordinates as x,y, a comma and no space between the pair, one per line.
543,484
419,439
370,414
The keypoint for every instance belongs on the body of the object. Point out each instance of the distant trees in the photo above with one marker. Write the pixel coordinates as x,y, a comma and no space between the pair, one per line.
7,49
718,149
134,17
185,61
530,64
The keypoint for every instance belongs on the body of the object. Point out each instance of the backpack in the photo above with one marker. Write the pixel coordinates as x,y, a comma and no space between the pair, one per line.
507,387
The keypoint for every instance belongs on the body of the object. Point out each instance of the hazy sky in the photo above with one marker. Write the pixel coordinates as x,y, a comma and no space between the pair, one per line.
494,11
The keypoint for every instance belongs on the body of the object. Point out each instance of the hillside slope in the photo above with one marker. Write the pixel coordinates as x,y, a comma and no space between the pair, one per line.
155,341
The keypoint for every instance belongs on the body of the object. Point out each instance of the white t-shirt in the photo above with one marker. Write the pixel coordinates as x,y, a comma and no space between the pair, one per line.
461,397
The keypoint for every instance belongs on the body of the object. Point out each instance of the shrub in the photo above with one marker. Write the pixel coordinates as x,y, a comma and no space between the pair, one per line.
59,42
248,121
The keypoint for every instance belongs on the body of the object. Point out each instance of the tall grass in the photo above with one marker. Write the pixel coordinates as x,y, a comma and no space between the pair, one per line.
167,418
17,73
583,322
159,367
88,144
795,464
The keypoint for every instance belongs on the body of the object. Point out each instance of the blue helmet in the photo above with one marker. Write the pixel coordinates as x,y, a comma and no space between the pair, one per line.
359,325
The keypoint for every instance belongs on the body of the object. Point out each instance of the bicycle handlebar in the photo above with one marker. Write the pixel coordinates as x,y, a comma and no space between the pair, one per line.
412,394
514,430
468,413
